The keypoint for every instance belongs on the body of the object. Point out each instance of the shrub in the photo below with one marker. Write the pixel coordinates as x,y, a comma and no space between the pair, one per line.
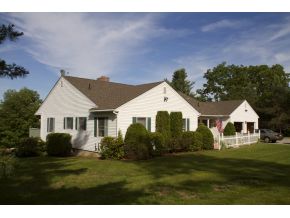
229,129
137,143
198,142
174,144
187,140
58,144
158,143
207,137
163,124
176,124
191,141
112,148
29,147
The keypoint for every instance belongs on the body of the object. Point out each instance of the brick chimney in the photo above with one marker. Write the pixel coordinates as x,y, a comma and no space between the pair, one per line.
104,79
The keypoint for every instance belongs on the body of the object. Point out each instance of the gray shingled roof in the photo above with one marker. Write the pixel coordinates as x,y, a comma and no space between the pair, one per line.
109,95
213,108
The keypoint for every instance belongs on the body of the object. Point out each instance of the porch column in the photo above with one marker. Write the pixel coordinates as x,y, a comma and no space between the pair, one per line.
207,123
244,127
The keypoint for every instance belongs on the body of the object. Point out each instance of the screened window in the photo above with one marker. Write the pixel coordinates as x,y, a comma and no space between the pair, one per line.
141,120
81,123
50,124
68,123
145,121
101,127
185,124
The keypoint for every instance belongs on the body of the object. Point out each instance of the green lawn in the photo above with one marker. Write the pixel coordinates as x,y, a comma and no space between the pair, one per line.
256,174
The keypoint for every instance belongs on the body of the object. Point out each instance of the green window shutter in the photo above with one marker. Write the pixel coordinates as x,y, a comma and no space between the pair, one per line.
188,123
47,125
76,123
134,120
95,127
85,124
149,124
64,123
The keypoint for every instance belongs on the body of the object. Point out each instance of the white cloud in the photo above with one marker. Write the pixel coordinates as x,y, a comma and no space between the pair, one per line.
220,24
89,44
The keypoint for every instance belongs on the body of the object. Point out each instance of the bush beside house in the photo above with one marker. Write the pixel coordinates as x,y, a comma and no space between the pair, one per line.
29,147
137,144
157,142
112,148
176,124
58,144
207,137
163,124
229,129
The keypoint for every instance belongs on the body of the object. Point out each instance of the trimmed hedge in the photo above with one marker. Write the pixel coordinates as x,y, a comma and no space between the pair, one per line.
158,143
187,140
58,144
198,141
112,148
191,141
207,137
163,124
230,129
176,124
29,147
137,142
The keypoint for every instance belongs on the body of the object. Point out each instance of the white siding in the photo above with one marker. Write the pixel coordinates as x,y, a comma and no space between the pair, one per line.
147,105
244,113
66,101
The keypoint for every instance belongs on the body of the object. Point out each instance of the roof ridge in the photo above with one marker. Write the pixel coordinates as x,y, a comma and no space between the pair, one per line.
114,82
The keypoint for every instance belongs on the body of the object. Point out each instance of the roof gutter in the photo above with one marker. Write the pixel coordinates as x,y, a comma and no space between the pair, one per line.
204,115
97,110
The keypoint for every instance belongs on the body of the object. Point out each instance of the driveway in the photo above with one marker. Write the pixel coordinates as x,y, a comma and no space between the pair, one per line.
285,140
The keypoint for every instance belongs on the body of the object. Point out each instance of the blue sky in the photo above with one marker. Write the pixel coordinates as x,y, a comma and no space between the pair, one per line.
138,48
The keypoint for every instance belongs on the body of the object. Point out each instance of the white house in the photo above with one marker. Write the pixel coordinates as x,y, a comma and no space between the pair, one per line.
239,112
91,109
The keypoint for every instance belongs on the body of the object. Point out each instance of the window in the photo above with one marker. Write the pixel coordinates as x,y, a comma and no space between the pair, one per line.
68,123
185,124
141,120
145,121
50,124
81,123
101,127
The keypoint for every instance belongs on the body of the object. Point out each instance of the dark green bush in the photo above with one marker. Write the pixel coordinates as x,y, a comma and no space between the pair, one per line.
176,124
137,142
191,141
158,143
229,129
29,147
163,124
112,148
58,144
175,144
187,140
207,137
198,142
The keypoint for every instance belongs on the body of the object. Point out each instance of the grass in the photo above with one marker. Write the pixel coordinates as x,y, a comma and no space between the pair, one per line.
256,174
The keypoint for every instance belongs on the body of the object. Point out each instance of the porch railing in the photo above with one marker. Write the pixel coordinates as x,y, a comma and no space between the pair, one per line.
236,140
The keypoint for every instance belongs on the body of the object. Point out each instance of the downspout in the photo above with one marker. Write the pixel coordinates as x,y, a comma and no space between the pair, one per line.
116,113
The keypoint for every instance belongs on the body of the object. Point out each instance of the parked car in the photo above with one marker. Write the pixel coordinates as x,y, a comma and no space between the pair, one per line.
269,135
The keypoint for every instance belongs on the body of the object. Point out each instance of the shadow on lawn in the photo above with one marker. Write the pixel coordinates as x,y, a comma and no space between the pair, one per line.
245,172
33,186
